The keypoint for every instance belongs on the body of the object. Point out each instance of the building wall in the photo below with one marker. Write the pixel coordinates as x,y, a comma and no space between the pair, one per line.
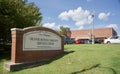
100,33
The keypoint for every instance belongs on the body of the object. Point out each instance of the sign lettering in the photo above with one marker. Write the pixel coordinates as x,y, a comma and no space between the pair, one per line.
41,40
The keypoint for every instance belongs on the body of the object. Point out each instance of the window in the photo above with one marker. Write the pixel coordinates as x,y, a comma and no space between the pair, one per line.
114,37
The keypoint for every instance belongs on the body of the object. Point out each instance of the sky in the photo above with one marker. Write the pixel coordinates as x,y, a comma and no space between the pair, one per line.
77,14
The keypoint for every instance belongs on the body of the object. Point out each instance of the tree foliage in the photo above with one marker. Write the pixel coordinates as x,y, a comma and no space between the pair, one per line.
17,14
64,30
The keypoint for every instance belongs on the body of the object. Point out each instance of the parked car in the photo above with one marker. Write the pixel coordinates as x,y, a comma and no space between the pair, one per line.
113,39
68,40
96,41
79,42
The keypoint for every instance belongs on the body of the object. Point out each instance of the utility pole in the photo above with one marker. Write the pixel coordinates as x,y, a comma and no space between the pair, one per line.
93,28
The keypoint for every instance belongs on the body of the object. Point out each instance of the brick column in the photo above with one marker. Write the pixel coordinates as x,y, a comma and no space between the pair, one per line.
17,36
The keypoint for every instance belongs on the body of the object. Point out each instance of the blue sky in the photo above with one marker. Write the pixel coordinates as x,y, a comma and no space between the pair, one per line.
76,14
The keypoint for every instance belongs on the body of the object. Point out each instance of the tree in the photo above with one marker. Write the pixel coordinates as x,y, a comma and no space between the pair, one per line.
64,31
17,14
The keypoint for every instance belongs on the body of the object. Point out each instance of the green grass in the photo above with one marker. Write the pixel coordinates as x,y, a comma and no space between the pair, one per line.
86,59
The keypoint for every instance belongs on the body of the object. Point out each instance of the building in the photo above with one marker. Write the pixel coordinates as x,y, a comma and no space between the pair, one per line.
99,34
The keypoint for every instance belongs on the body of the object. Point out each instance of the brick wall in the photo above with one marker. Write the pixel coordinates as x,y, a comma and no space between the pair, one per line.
18,55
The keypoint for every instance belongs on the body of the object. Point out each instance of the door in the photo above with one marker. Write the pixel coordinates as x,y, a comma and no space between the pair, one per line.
115,39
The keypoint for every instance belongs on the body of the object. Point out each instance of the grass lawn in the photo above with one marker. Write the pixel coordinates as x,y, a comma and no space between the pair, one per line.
86,59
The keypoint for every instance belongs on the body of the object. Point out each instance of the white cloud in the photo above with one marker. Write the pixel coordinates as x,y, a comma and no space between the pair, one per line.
54,25
103,16
113,26
49,25
81,27
80,16
63,16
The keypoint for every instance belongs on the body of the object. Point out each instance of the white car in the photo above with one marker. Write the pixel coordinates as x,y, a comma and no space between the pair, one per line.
114,39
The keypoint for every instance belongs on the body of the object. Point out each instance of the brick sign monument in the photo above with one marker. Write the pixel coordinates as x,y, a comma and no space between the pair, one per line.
34,44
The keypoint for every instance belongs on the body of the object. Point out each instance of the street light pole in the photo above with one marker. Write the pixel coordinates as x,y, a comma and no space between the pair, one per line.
93,28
